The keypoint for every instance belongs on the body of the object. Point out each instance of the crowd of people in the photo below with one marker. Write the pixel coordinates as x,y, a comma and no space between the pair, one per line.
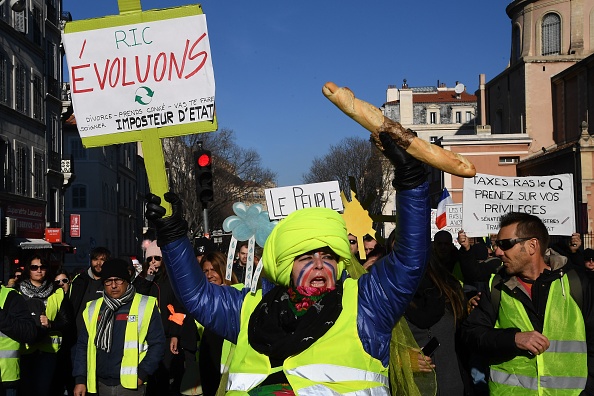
504,315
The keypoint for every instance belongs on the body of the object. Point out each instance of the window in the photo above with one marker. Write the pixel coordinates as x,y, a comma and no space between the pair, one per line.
6,179
4,80
54,130
105,196
458,117
38,98
39,175
433,117
79,196
77,150
551,34
37,25
509,160
20,21
53,206
22,171
468,116
20,88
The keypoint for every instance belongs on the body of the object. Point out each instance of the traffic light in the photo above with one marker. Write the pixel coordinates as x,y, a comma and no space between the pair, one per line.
203,173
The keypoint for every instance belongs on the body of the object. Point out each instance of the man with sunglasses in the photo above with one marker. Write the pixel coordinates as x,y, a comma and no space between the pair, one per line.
122,340
533,325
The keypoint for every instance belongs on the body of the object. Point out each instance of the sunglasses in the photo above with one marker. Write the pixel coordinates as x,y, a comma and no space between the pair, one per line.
64,281
35,267
150,258
506,244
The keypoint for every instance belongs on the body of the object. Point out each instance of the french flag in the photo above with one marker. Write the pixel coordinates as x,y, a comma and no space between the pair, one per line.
445,199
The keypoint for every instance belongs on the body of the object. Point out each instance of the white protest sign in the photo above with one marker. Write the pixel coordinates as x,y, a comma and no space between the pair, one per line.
146,75
284,200
454,216
487,197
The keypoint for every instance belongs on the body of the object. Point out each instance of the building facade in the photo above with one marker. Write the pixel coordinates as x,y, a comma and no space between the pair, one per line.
32,182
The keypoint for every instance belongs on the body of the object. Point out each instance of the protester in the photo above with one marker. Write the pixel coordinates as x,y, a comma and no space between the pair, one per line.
168,375
211,344
534,325
87,286
354,244
437,310
369,243
202,246
53,316
239,266
17,327
62,280
305,256
122,341
570,247
589,259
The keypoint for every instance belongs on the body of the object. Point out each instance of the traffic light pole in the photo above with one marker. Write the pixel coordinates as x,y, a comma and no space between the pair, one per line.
205,216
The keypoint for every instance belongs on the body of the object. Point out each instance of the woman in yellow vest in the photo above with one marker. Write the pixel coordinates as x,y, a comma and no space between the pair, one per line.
313,331
53,315
16,327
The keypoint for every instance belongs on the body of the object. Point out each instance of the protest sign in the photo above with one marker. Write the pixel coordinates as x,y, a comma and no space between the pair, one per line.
282,201
450,227
139,77
454,216
488,197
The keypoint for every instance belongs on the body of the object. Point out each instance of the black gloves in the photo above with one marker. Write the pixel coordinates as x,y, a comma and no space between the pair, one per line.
409,172
170,228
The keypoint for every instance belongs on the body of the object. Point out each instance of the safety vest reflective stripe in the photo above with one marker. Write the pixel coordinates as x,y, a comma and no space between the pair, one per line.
134,344
57,340
132,370
334,373
521,381
567,346
563,382
9,354
317,390
244,381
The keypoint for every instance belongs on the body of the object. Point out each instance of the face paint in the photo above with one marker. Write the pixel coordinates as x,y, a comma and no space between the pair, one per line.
315,271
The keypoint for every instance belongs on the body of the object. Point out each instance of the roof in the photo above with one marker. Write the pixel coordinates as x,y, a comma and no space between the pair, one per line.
441,97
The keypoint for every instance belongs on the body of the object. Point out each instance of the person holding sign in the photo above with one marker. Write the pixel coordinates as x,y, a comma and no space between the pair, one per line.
534,324
314,331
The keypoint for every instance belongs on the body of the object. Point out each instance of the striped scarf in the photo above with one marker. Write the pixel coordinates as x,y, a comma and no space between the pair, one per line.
105,326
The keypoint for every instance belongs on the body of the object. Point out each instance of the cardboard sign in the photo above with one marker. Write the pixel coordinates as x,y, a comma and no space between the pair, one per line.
284,200
142,75
488,197
139,77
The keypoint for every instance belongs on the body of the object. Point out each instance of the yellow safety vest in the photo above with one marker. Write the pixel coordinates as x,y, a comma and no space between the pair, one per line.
336,363
135,345
9,348
53,341
562,369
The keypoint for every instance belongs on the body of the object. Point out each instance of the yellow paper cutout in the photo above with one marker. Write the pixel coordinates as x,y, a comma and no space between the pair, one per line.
357,220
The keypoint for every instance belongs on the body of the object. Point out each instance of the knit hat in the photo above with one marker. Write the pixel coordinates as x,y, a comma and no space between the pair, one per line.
588,254
300,232
153,250
115,268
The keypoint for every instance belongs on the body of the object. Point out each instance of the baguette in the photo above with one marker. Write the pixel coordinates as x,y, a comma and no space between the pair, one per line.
372,119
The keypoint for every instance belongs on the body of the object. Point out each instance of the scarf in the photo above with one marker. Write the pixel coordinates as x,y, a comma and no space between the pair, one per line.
105,326
275,329
30,290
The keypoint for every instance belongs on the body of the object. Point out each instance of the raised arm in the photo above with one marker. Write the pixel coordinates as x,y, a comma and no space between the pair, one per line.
386,291
216,308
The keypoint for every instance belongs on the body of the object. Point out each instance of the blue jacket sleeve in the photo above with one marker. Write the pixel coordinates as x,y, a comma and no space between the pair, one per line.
217,308
386,291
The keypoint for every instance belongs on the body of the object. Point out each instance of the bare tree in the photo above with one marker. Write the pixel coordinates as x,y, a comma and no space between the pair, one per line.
237,174
360,159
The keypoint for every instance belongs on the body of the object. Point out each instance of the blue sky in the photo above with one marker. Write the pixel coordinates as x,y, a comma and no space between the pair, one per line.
271,59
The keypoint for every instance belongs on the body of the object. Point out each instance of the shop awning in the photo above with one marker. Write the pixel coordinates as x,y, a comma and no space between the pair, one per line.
63,247
32,243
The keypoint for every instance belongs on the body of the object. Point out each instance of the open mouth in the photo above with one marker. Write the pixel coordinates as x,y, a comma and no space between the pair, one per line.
319,281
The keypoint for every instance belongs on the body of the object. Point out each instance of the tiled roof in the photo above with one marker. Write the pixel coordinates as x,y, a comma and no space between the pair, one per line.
441,97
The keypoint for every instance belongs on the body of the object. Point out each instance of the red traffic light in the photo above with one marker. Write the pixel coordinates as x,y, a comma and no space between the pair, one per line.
204,159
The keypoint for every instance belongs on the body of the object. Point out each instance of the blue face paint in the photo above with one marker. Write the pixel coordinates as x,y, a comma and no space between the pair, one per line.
309,267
